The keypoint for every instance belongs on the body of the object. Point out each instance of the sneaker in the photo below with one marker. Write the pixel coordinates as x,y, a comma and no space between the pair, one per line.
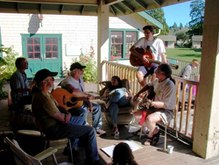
134,128
100,132
116,135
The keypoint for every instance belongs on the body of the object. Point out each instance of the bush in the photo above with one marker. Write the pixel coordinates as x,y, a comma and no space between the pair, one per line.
7,67
90,72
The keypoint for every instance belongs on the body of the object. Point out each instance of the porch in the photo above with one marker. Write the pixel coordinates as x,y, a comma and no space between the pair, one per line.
182,154
181,129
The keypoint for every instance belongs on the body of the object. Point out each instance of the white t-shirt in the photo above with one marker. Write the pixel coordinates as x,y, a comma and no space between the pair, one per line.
157,46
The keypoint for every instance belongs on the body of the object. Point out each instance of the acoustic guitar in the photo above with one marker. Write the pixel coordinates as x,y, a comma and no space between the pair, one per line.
65,99
135,60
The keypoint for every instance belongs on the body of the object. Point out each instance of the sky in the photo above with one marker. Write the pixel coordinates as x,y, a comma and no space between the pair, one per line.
177,13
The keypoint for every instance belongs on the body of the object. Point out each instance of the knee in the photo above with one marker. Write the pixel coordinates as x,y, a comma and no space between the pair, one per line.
150,119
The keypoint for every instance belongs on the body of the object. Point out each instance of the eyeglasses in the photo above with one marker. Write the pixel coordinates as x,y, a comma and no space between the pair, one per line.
48,79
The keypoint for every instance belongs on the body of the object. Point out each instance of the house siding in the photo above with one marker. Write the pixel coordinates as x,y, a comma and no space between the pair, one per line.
78,32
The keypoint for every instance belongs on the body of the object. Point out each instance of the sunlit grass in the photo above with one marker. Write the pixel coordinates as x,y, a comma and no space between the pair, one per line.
184,54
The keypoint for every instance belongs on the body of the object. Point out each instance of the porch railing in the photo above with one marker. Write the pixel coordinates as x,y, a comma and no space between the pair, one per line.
183,123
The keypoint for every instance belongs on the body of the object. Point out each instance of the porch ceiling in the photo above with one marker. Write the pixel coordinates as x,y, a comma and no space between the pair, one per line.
81,7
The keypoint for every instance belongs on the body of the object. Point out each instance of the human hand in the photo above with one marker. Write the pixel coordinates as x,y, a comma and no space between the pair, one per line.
145,59
147,103
90,107
67,117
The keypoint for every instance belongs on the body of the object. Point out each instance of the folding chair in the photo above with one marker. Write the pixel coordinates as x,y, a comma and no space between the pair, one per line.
47,140
23,158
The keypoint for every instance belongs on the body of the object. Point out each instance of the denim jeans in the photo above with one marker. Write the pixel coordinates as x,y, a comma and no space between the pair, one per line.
117,99
96,114
73,130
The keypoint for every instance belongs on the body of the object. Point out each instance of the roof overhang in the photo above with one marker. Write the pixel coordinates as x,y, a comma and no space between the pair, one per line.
81,7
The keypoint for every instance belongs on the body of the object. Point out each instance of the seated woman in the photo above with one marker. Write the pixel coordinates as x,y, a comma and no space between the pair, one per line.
161,108
117,96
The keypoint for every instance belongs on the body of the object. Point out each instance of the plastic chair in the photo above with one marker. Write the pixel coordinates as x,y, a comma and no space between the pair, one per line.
23,158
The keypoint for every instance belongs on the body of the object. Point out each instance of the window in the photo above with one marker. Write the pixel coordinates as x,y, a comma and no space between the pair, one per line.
42,51
120,43
41,44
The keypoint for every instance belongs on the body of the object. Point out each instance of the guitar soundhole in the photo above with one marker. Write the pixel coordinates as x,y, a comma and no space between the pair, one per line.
74,99
68,104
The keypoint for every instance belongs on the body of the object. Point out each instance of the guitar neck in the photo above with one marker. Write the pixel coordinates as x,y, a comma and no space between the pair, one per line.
173,66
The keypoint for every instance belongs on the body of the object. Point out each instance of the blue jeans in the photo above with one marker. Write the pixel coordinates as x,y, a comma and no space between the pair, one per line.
77,121
117,99
73,130
96,114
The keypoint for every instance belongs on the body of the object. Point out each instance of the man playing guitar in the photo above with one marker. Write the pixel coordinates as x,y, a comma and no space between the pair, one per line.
74,83
154,46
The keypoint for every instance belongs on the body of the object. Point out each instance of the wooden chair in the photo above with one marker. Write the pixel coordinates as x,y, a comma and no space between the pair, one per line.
23,158
124,116
40,134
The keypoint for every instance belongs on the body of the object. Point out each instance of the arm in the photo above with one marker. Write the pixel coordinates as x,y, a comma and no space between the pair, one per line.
51,108
65,118
164,58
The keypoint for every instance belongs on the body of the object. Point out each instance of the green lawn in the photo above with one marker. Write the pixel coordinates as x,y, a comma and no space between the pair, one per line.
184,54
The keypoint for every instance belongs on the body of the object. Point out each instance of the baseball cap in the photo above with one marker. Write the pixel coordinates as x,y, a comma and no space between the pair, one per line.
42,74
76,65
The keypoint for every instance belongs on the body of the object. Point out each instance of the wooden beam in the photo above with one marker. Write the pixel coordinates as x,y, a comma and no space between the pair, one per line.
158,2
143,5
17,7
40,8
118,9
75,2
82,9
129,7
113,10
112,2
61,8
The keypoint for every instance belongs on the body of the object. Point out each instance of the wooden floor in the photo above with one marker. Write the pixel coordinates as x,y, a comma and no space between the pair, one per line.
147,155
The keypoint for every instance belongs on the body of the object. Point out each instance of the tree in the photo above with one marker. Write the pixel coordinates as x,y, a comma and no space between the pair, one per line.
180,26
197,17
174,27
158,14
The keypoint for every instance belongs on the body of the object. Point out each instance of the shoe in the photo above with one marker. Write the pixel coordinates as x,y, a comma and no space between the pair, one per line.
100,132
155,139
152,140
144,132
116,135
134,128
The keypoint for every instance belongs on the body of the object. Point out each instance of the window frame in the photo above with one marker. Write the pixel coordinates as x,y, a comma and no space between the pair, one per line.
124,32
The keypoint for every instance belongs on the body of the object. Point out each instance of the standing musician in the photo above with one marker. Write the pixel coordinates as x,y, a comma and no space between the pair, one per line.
154,46
74,84
162,106
20,88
